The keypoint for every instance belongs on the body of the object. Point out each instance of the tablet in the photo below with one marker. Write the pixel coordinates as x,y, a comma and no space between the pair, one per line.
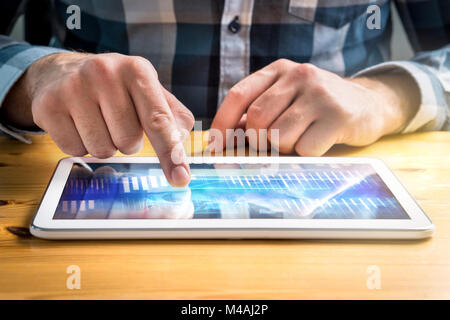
229,197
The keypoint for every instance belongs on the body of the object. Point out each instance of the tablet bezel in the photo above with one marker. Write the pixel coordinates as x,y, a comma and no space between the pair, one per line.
43,218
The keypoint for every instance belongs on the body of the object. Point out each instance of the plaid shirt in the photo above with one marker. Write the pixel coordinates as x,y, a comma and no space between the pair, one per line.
202,47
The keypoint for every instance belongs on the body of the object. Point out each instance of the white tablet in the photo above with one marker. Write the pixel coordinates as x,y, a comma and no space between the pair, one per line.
229,197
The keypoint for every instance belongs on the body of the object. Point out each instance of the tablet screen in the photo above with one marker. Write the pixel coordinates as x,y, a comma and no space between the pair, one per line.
228,191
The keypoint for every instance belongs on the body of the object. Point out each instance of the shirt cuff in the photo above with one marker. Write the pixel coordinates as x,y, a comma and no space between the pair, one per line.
14,61
431,114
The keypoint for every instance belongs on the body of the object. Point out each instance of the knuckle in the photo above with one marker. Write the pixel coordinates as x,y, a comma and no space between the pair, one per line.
272,95
319,90
255,115
186,116
158,121
237,92
142,70
141,66
114,55
304,71
282,63
297,115
308,67
98,66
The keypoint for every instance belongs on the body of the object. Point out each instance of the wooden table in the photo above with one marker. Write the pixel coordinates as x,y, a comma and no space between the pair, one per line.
212,269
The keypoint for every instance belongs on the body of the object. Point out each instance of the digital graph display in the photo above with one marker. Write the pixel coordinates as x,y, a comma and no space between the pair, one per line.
228,191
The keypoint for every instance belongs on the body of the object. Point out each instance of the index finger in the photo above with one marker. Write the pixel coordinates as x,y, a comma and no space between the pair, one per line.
240,97
158,122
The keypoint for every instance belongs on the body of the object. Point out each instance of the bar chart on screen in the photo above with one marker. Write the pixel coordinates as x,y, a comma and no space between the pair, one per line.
301,192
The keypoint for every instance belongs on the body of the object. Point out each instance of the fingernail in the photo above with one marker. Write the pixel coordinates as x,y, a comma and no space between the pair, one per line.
180,176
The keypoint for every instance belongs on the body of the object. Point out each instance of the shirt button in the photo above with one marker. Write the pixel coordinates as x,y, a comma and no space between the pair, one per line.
234,25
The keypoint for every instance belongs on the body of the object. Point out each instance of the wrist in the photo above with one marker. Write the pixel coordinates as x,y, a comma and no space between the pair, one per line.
40,71
397,98
16,110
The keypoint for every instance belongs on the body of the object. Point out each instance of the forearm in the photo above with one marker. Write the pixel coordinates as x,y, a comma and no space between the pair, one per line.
16,58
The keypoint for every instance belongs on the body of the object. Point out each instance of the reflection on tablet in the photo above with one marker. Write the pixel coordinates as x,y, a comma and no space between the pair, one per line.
237,191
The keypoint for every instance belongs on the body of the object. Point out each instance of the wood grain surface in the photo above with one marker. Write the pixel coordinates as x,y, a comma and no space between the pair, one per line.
227,269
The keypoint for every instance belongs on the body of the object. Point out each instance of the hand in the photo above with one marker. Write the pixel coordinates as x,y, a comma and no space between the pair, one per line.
314,109
98,103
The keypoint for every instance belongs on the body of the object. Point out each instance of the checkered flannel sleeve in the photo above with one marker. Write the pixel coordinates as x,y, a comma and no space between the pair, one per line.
427,24
15,58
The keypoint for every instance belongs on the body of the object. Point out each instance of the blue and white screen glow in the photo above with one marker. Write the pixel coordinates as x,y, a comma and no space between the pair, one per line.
228,191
